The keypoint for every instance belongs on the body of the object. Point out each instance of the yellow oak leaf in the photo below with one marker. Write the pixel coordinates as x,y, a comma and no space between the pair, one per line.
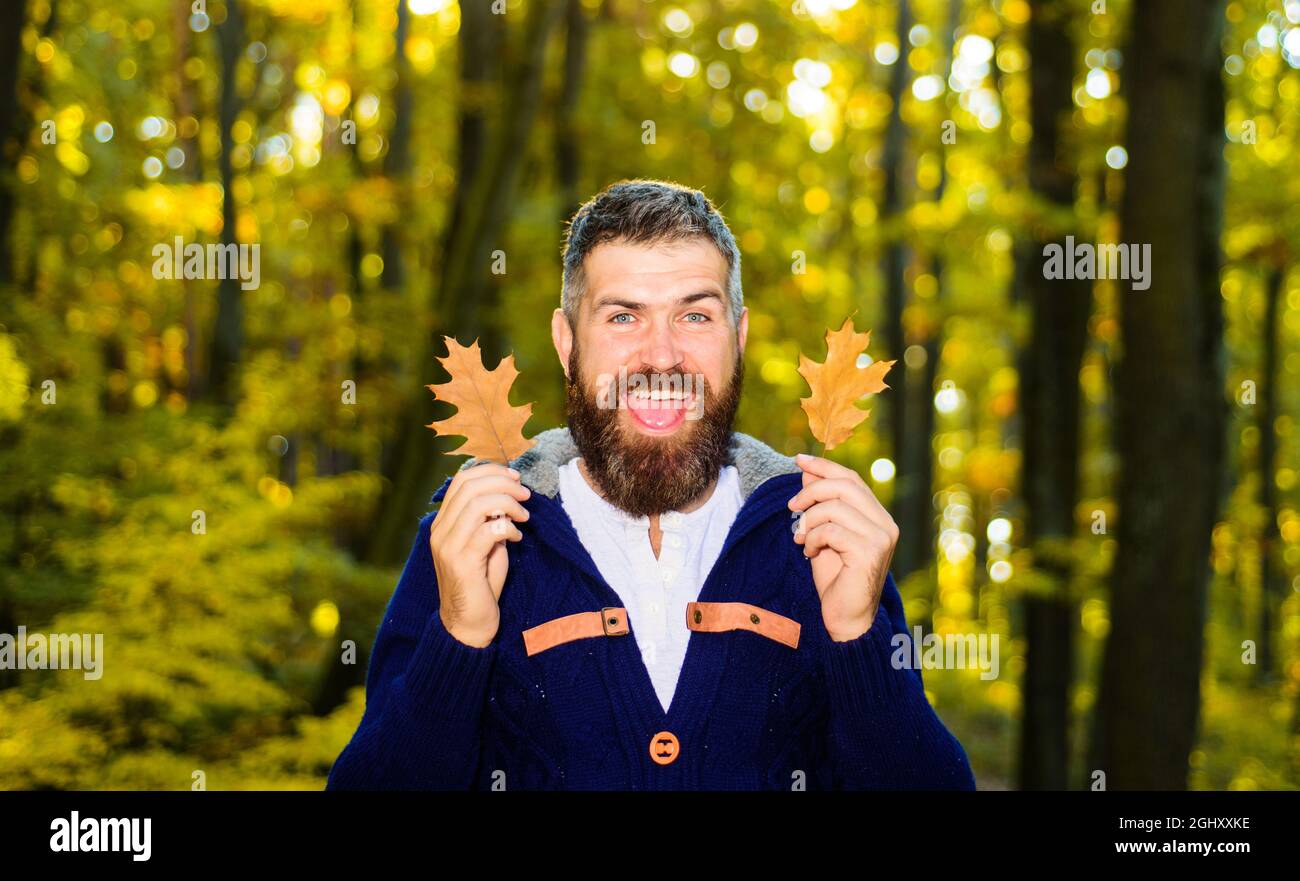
493,428
838,383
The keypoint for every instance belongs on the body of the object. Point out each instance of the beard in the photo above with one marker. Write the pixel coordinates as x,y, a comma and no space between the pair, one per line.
647,475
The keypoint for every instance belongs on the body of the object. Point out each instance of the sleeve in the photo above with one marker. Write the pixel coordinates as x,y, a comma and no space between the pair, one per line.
425,694
882,732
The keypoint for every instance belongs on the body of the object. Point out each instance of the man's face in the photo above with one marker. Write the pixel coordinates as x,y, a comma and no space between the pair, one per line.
654,370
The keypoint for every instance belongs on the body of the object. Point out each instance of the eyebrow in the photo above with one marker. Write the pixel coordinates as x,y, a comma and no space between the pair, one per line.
635,306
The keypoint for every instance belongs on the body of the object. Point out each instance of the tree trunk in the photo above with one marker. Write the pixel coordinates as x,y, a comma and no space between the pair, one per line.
13,17
911,551
1170,399
567,136
1270,567
466,289
397,162
183,100
921,526
228,332
1049,377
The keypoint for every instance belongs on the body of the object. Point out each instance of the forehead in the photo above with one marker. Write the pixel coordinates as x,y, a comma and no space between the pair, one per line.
661,267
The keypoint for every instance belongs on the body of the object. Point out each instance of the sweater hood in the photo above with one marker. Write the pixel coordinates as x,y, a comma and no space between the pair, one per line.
539,466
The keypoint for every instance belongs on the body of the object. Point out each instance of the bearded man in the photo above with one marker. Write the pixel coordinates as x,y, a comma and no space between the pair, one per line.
647,599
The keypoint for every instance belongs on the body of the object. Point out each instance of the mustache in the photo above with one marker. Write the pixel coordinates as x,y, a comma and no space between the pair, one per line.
654,389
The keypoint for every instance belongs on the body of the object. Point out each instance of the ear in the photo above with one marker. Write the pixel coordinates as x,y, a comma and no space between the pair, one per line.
562,337
742,328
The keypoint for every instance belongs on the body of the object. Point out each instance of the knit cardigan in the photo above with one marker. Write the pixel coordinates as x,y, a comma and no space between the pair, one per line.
749,713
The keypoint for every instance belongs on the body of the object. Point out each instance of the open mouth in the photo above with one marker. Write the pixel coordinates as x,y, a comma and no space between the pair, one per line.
661,412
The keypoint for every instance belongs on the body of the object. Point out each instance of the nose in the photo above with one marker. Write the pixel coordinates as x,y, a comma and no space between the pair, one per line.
659,349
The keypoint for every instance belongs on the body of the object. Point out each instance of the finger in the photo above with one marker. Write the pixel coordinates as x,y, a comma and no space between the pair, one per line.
826,488
487,506
857,494
478,510
849,545
818,469
825,467
834,511
487,485
475,473
470,546
492,478
872,551
490,533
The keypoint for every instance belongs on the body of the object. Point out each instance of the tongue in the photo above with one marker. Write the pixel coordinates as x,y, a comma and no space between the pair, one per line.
656,414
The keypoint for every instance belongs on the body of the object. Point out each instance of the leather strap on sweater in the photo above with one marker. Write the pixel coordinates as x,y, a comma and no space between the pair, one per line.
718,617
609,621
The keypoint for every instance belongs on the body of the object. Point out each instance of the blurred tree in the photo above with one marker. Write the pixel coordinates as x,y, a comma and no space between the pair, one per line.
228,331
12,20
1171,407
185,108
1271,572
568,134
921,433
911,500
397,161
1049,400
228,651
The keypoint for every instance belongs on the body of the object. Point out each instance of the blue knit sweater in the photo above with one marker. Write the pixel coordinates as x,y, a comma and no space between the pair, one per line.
749,712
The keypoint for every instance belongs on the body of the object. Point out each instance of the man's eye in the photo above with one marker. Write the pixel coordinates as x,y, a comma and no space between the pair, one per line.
697,315
627,315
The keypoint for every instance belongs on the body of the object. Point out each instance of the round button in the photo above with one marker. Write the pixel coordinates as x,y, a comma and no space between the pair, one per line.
664,748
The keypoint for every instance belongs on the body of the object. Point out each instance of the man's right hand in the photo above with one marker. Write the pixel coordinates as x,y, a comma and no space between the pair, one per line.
469,554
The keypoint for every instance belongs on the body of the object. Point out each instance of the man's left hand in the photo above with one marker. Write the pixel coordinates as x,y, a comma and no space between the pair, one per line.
850,539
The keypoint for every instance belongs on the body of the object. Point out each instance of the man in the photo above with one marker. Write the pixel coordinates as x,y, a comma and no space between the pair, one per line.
647,600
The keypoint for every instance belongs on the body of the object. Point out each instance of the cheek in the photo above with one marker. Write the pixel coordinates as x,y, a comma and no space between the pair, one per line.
593,359
714,358
608,352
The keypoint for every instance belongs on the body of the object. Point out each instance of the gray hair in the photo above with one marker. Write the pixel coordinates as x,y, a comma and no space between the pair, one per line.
647,212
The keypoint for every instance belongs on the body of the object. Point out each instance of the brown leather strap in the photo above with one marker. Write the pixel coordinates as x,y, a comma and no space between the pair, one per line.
609,621
717,617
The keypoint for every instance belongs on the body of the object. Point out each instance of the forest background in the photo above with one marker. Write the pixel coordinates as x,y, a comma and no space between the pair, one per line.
224,480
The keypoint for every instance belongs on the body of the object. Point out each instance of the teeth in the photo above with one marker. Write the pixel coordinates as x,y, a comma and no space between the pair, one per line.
661,396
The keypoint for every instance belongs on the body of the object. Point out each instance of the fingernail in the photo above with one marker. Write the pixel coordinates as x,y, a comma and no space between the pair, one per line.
512,472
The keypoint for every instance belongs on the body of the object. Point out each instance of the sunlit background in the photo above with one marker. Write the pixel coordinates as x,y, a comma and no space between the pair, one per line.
872,158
